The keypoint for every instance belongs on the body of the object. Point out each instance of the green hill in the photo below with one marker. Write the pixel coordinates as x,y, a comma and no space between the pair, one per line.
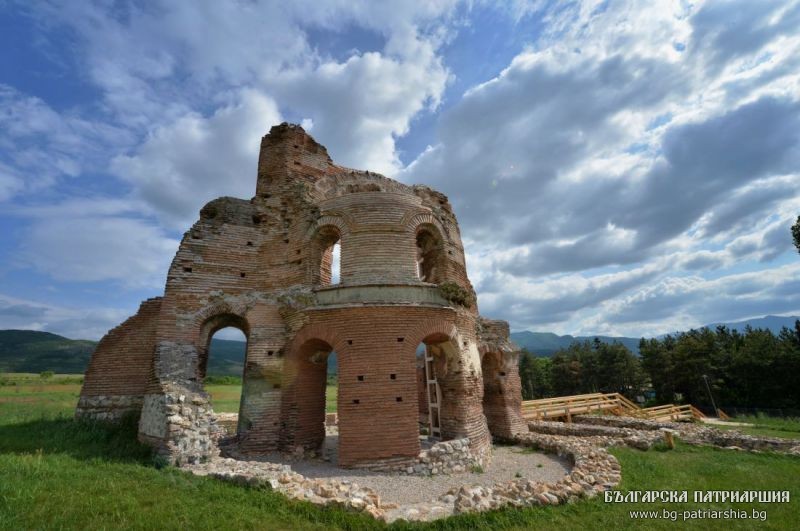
31,351
546,343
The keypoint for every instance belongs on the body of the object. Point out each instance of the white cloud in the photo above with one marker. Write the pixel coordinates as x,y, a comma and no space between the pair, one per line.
75,323
630,161
126,250
39,145
632,138
195,159
678,302
361,105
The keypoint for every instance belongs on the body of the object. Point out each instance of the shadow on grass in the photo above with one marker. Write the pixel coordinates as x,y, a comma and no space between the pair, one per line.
78,439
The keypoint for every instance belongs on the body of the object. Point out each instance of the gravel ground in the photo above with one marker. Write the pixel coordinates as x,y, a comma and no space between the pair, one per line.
507,462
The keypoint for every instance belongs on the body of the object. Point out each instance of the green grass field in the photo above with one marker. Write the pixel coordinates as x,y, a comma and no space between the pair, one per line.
60,392
225,398
763,426
57,473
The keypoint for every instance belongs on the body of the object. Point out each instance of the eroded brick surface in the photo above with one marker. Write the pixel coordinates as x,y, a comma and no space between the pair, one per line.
264,266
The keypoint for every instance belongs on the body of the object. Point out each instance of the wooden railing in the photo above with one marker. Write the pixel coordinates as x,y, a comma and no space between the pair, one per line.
567,406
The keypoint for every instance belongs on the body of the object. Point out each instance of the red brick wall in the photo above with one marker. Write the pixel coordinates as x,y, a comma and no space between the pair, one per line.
123,359
376,352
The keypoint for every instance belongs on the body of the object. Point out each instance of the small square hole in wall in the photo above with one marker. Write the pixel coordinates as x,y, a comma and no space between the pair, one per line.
187,269
393,376
270,353
249,244
276,386
242,274
399,399
356,401
400,339
349,341
360,377
466,343
502,374
285,241
298,251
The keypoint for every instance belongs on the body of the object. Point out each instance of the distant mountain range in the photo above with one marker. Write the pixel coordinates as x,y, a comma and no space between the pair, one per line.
31,351
547,343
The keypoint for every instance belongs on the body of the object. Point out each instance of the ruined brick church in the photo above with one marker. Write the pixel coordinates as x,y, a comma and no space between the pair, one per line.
264,266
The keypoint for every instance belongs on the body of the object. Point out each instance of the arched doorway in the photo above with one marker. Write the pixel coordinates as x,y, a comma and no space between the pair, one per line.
436,408
304,407
222,357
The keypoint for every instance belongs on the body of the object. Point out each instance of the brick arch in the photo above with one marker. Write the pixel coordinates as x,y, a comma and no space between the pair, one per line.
319,241
413,222
427,329
237,309
339,220
431,243
317,331
213,318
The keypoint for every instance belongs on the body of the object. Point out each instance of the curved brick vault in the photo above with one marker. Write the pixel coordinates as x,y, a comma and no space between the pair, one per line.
264,266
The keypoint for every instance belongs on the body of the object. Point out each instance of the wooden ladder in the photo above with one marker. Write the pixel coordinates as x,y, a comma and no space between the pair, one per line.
434,396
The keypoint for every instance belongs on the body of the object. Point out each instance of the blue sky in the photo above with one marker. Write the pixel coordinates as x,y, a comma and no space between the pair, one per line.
624,168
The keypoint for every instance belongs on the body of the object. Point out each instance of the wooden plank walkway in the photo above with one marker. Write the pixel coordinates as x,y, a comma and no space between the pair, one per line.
565,407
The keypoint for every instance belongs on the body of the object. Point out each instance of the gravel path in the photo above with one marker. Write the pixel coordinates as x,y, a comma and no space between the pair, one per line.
508,462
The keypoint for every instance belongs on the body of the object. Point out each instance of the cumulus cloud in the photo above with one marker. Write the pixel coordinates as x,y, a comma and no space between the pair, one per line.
363,104
655,139
194,159
626,165
201,82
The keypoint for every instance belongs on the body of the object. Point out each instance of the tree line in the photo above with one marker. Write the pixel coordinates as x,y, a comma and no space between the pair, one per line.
751,369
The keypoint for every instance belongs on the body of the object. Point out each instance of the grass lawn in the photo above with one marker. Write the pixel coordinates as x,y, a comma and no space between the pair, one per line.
56,473
225,398
787,428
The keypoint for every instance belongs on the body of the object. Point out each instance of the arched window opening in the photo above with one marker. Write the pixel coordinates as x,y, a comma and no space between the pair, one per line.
336,263
429,256
328,247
